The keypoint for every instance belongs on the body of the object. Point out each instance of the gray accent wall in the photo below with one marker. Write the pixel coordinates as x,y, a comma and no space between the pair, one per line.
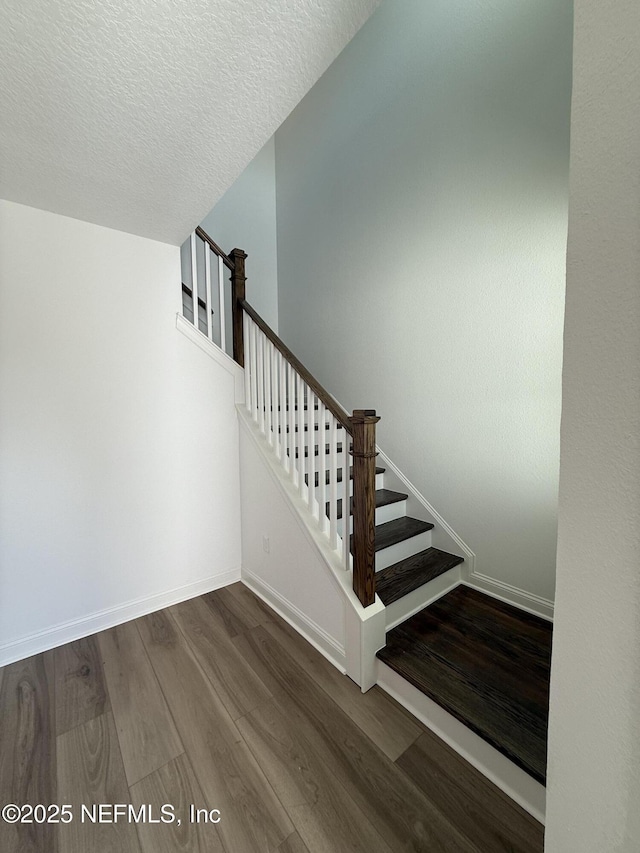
245,218
422,194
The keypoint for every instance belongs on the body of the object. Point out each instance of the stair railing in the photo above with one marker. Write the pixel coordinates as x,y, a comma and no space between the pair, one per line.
312,436
207,295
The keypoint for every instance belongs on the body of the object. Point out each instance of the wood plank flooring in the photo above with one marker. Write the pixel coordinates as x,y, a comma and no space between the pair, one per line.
219,703
485,662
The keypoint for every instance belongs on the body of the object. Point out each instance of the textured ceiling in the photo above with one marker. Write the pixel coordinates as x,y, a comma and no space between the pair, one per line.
139,114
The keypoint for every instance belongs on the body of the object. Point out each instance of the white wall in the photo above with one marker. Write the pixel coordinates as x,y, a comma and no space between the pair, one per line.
422,206
291,575
245,217
118,437
594,737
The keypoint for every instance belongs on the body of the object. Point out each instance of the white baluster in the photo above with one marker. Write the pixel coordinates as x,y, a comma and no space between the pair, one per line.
246,334
283,412
194,279
261,381
267,390
223,331
291,403
333,488
346,502
207,284
322,468
275,399
311,459
301,435
254,371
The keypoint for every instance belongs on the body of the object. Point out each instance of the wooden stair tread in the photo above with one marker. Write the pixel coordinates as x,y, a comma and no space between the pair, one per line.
406,575
392,532
384,497
485,662
327,476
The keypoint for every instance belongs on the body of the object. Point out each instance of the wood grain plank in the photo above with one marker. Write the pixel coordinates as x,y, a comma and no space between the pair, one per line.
175,784
230,778
406,575
250,602
481,811
402,815
234,681
293,844
80,690
237,615
514,635
383,720
146,731
391,532
459,681
28,749
90,772
233,625
323,813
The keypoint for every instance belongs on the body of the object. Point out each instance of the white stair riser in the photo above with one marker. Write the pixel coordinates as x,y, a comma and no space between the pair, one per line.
385,513
390,512
402,550
400,610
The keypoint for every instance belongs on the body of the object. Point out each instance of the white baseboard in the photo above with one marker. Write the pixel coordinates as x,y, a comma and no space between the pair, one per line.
313,633
507,776
511,595
66,632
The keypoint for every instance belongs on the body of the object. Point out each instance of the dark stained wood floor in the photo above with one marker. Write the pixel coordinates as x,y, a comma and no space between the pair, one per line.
219,703
485,662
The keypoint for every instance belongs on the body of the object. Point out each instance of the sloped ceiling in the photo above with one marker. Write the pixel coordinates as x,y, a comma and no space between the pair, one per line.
139,114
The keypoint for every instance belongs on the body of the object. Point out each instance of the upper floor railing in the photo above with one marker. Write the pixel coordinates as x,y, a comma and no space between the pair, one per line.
328,455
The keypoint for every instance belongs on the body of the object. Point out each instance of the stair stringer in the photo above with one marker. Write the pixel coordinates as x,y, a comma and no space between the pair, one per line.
364,628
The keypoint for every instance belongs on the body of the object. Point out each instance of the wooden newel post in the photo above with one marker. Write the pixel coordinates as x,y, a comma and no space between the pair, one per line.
364,504
238,280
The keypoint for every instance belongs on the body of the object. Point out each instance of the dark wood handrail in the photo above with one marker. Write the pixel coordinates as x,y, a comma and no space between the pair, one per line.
364,504
336,410
361,427
204,236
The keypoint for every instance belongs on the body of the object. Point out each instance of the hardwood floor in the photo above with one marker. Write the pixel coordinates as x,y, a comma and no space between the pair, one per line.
485,662
219,703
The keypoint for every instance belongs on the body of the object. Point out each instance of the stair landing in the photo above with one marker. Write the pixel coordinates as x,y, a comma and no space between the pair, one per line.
485,662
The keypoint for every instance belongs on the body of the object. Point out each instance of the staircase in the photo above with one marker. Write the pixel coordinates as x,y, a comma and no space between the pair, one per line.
401,567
